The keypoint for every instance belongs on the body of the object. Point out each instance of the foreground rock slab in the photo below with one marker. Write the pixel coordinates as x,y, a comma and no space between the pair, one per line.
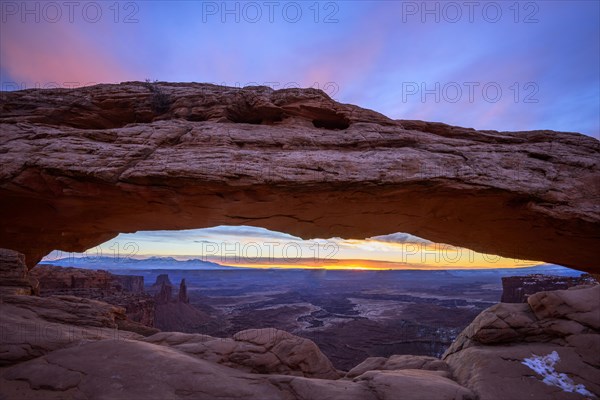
255,350
32,326
498,372
187,155
493,359
119,369
488,356
400,362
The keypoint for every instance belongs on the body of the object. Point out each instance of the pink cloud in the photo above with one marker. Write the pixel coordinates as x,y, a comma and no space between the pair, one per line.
55,54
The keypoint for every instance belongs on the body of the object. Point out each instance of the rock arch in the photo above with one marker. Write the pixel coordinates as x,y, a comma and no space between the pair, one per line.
81,165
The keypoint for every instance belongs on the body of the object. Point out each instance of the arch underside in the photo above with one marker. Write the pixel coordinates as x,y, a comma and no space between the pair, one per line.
525,195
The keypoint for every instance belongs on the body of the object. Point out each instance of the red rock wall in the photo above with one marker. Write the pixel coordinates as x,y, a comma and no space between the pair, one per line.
80,166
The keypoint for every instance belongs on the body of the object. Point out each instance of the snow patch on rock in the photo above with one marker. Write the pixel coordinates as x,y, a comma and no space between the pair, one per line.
544,366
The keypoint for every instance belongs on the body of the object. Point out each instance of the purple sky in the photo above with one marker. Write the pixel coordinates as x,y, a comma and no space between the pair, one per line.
543,56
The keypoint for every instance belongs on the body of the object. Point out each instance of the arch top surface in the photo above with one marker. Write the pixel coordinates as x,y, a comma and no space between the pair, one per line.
81,165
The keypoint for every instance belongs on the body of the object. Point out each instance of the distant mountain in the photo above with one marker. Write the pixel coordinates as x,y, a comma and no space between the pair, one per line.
170,263
107,263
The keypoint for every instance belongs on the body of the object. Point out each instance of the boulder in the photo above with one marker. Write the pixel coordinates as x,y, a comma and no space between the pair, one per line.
546,317
399,362
558,329
266,351
414,384
577,304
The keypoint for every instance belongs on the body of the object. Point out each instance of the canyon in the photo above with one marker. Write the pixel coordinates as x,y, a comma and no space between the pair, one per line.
67,347
121,290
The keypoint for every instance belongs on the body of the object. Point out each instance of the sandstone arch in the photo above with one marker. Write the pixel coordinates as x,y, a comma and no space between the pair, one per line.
80,166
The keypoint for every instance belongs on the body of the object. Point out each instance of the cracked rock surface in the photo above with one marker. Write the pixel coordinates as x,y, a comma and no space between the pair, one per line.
255,350
487,356
110,369
81,165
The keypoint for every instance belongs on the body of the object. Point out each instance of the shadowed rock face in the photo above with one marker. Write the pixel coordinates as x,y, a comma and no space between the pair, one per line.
80,166
14,277
488,355
125,291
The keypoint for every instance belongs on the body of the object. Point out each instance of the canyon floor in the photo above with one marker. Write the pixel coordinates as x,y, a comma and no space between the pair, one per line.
350,315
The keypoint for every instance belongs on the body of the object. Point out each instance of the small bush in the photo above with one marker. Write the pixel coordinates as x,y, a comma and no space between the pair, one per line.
160,101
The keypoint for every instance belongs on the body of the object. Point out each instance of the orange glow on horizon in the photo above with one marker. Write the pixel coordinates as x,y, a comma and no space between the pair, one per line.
368,265
250,247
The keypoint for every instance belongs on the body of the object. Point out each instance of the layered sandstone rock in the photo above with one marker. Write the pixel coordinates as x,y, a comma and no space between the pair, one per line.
547,317
485,364
55,278
160,280
131,283
267,351
14,276
399,362
93,162
414,384
580,305
31,326
120,290
488,355
173,311
164,295
516,289
86,357
83,372
182,296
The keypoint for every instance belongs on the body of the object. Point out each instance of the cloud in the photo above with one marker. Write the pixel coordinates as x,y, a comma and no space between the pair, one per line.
246,232
217,233
60,55
370,52
400,237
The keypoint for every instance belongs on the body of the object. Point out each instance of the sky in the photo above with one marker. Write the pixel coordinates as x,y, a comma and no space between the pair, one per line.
253,247
501,65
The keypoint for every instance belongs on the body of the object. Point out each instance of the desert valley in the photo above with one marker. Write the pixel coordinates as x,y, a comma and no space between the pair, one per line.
350,315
